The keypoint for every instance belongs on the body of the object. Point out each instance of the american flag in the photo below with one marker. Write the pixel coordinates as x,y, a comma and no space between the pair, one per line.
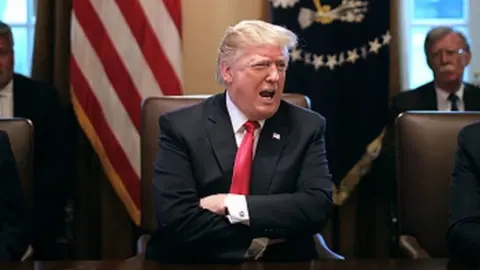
122,51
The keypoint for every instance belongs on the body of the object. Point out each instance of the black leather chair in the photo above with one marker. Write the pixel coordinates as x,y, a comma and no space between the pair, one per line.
426,143
20,133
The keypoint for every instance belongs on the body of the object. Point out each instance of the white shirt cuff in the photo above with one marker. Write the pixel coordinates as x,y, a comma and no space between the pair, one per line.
237,209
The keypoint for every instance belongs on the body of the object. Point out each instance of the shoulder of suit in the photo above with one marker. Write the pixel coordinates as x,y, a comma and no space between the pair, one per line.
472,129
472,87
19,78
406,94
301,114
25,83
3,135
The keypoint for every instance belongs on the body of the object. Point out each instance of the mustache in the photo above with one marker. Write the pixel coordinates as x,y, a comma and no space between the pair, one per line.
447,68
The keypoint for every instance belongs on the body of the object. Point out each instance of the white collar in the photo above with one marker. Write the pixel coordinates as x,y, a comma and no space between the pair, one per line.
236,116
7,91
444,94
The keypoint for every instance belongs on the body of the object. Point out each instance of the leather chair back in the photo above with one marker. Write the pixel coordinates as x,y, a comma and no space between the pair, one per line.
152,108
426,146
20,133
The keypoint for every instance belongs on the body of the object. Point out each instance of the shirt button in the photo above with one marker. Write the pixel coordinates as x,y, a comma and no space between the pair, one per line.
242,214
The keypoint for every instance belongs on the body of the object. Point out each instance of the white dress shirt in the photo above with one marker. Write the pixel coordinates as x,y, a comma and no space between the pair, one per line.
237,204
6,100
444,104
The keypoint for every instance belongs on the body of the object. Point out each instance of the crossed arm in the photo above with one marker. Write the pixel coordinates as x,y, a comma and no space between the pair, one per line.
201,220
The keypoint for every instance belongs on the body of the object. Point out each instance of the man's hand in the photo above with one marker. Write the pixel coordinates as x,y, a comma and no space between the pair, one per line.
214,203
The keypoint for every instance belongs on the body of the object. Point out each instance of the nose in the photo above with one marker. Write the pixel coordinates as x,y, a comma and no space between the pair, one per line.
443,57
273,74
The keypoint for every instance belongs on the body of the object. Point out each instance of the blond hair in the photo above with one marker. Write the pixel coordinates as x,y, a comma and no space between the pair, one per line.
251,33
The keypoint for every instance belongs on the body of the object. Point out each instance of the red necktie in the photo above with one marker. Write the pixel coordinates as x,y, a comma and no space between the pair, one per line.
243,161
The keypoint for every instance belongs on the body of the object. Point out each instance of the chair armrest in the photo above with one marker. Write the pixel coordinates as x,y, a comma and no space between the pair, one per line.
142,243
324,252
410,246
28,255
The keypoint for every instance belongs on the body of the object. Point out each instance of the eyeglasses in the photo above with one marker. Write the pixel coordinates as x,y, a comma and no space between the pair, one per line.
449,53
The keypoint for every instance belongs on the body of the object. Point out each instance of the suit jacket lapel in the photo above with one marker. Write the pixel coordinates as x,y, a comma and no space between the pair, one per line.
221,137
471,97
273,138
430,98
19,105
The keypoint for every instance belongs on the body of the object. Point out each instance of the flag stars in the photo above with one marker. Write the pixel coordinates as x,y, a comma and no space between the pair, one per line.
352,56
363,51
296,54
374,46
340,58
318,61
332,61
386,38
308,58
284,3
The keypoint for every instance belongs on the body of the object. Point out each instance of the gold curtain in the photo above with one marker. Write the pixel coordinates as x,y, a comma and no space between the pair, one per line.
395,67
51,51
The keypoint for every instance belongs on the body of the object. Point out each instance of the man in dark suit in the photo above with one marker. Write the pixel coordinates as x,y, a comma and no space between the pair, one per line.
26,98
13,216
464,230
213,202
448,53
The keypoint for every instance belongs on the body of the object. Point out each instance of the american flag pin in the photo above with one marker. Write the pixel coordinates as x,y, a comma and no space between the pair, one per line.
276,136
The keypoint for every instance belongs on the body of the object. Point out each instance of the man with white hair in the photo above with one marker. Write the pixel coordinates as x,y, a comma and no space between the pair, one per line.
243,175
38,101
448,54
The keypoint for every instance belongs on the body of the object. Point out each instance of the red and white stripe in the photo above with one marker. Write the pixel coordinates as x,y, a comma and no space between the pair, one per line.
122,51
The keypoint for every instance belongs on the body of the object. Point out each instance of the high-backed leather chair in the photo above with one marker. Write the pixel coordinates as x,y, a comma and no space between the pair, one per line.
152,108
426,143
20,133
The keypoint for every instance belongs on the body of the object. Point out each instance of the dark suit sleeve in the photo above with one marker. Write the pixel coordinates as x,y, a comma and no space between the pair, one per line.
464,231
13,228
52,141
179,214
52,163
304,212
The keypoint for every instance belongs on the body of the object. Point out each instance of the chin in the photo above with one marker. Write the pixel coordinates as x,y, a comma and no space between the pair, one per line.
265,112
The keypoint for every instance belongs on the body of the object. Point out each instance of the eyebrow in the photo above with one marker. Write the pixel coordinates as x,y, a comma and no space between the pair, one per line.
282,59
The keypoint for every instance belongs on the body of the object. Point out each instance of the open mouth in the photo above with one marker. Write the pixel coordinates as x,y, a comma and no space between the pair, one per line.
267,94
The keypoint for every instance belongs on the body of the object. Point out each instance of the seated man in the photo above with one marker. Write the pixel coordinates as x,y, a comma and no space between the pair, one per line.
464,230
448,54
243,174
13,225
